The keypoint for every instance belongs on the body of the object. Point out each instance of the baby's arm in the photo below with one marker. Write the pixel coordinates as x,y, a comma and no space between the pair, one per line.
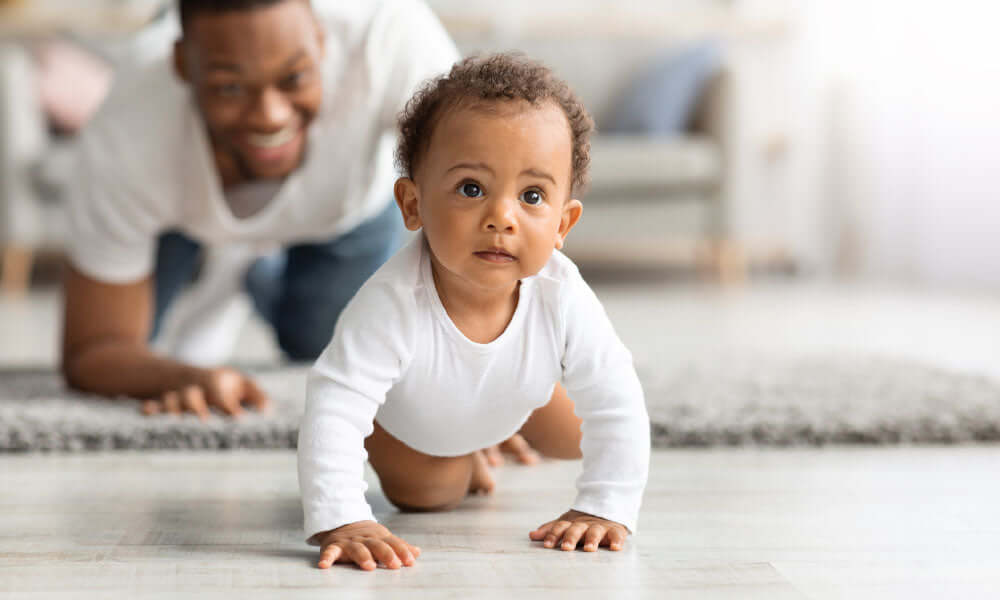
600,378
345,388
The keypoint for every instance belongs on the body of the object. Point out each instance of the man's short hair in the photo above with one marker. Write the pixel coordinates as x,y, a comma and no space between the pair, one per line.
189,8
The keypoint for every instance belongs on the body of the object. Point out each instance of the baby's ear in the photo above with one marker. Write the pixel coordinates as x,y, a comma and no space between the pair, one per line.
570,215
405,191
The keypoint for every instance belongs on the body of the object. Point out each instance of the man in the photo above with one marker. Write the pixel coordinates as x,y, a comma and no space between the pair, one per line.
270,129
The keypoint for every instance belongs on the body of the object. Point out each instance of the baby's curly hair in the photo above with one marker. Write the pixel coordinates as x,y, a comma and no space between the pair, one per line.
495,77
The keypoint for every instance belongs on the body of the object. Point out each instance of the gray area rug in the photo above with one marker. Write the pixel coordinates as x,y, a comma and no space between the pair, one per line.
758,401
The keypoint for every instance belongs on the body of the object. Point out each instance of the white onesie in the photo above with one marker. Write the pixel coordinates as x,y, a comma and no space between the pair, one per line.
396,357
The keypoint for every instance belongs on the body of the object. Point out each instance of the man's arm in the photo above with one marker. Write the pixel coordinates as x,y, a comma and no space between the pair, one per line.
105,351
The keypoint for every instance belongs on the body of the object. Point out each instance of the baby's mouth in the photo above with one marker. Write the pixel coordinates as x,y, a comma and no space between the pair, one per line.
496,255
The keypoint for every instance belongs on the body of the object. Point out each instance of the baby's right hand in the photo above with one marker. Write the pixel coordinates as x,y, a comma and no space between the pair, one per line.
363,543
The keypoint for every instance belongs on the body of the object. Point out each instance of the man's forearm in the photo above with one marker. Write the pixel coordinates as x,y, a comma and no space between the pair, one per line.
117,368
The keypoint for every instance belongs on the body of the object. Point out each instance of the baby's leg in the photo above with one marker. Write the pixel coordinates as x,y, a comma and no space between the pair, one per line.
554,429
415,481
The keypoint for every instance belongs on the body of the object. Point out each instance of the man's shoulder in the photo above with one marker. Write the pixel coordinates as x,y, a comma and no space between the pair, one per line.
140,137
145,109
360,14
378,53
351,23
380,30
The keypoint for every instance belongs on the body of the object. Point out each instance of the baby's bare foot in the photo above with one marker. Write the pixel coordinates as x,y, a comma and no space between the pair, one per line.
515,445
482,480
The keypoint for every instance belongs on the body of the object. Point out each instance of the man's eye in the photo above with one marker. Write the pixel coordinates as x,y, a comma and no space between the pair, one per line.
229,90
532,197
293,80
470,190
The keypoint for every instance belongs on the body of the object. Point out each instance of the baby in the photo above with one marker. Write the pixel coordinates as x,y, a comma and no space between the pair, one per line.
458,341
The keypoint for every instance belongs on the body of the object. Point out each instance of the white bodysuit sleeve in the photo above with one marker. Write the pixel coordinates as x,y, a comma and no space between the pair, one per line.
600,378
370,349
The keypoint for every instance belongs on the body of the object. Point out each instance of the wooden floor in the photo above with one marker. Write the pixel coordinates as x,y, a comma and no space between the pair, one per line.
740,524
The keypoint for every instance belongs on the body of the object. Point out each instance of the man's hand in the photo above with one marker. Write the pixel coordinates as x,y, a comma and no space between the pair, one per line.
225,389
363,543
516,445
575,526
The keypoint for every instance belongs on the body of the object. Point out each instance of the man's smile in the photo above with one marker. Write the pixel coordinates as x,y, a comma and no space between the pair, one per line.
273,140
279,147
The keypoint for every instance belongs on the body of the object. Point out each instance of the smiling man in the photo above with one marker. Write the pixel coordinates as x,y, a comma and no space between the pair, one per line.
266,137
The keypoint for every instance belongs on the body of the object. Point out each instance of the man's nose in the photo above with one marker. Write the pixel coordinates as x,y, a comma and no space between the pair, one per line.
272,111
501,215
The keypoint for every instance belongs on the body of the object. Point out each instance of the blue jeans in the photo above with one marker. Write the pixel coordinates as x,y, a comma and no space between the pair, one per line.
300,290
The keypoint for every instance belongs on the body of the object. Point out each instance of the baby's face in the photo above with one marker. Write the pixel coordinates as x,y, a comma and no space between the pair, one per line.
492,193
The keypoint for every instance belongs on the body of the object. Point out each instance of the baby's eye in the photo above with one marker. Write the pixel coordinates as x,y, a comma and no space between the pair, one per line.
532,197
470,190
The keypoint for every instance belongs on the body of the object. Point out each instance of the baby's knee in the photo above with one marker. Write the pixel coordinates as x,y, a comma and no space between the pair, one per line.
566,447
420,502
440,488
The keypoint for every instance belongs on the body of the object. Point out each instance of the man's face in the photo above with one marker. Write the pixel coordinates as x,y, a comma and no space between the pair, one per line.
256,77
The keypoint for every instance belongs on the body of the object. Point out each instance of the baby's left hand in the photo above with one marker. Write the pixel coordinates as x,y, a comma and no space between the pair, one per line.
575,526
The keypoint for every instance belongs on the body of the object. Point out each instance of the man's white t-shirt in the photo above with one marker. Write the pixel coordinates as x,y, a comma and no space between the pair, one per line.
397,358
146,164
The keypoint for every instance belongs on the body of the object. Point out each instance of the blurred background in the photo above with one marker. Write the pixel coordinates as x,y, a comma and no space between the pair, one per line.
809,174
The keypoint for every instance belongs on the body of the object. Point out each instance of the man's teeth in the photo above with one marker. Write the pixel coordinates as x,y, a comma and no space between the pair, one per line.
272,140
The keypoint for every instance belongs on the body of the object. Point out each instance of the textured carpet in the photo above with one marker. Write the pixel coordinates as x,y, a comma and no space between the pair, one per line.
748,401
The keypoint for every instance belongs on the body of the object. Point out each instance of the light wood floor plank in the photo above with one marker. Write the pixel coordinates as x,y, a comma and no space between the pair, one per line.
830,523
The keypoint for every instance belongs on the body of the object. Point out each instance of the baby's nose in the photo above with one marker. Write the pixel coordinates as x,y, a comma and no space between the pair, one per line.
501,216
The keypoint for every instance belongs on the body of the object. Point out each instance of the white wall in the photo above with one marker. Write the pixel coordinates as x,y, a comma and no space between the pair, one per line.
900,128
888,115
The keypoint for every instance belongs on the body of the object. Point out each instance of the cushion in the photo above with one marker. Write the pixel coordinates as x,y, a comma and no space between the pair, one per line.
663,98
